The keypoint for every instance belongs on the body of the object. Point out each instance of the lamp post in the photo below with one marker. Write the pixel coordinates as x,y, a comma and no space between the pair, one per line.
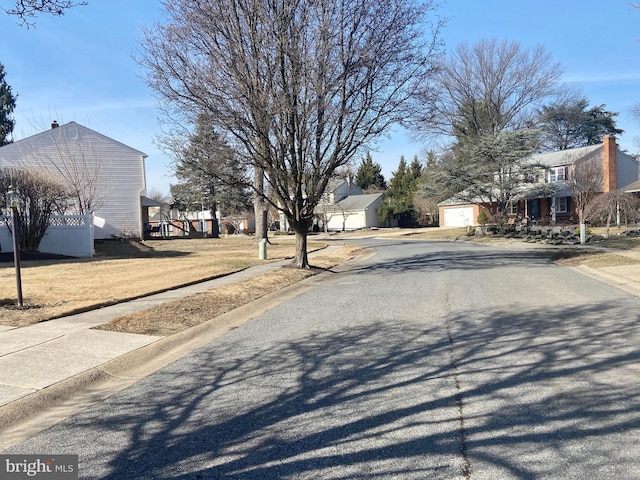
13,202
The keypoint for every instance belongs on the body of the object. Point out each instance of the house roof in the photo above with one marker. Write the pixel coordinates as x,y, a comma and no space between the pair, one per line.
565,157
632,187
358,202
67,132
150,202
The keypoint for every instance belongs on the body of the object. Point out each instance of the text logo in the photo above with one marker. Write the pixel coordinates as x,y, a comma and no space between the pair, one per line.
50,467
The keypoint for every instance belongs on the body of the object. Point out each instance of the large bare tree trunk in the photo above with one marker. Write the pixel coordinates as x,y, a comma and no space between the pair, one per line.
215,226
301,228
301,260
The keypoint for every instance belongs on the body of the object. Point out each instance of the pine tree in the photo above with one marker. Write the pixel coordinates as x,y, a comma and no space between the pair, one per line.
415,169
369,175
398,200
209,175
7,105
569,123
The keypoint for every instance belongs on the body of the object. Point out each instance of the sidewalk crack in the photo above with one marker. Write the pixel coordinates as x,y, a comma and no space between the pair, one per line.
31,346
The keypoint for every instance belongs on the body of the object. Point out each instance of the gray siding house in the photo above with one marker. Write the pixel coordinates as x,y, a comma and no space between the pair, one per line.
113,174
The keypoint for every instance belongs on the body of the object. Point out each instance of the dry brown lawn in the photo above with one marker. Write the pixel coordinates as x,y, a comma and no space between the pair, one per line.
178,315
591,258
126,270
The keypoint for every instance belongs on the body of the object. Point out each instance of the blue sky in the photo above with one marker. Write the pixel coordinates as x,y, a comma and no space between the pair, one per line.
81,67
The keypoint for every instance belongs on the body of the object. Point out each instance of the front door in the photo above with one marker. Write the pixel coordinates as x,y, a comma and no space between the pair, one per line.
533,209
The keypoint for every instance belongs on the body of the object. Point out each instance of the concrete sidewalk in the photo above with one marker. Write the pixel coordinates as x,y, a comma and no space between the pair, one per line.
51,360
68,345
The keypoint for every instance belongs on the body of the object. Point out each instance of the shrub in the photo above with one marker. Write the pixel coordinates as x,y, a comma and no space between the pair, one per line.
42,195
576,231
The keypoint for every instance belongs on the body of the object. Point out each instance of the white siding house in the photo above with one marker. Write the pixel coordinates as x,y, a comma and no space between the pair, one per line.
81,155
352,213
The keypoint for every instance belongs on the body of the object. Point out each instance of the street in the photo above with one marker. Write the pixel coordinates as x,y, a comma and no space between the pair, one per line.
442,360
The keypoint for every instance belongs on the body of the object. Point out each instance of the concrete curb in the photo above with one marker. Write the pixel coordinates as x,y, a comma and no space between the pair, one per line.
44,408
610,279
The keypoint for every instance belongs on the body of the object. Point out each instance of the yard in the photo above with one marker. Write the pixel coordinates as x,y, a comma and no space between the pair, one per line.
126,270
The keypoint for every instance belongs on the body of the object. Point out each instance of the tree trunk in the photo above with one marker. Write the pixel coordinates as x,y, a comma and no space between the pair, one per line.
215,226
583,227
301,260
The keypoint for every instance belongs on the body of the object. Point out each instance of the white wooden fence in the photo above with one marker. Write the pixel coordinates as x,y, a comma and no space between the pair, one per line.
70,235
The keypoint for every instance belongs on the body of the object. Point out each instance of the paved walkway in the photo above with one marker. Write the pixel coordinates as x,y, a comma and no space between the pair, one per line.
49,361
36,357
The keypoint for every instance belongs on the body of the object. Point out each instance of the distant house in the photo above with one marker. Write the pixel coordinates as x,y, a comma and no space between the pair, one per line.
618,170
345,206
354,212
113,172
338,189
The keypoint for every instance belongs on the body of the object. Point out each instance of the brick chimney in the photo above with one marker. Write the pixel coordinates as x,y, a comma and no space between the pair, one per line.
609,162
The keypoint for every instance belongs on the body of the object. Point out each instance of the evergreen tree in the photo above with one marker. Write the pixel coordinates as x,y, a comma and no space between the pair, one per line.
415,169
493,171
7,105
570,123
398,200
369,175
209,175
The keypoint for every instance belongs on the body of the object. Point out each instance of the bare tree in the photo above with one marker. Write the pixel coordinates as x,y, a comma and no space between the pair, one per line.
301,87
426,207
586,180
617,204
635,113
158,196
42,195
28,9
79,165
485,88
484,97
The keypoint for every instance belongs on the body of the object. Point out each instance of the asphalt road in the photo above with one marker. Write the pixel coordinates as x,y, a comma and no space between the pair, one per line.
427,360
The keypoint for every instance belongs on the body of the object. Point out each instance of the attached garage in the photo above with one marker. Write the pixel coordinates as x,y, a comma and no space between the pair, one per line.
457,216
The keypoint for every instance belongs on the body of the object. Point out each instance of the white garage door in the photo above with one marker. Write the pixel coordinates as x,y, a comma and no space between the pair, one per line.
458,216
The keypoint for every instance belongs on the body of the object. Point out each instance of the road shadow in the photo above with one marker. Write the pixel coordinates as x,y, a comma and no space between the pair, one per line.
480,258
504,394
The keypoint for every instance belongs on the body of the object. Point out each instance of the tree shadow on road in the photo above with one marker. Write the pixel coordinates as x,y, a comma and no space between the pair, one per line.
449,259
528,394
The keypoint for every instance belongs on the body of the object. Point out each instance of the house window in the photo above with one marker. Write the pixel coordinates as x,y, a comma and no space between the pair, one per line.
512,208
557,174
562,204
533,177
